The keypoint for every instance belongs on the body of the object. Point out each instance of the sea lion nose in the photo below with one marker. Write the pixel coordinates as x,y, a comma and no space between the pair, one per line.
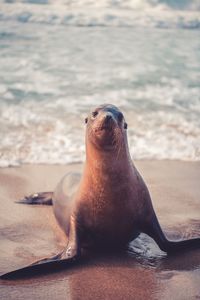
108,118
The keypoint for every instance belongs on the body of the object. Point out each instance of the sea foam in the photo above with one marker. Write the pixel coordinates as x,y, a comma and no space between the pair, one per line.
152,13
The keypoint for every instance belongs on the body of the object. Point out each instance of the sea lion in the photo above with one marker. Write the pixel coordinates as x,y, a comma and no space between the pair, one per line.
112,204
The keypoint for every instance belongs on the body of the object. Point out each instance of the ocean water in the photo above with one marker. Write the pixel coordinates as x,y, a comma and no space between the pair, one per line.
58,59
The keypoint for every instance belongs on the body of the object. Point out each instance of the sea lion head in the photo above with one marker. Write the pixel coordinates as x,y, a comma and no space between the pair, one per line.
106,127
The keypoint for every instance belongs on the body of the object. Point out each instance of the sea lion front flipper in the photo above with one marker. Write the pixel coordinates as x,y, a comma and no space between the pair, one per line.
56,262
154,230
70,254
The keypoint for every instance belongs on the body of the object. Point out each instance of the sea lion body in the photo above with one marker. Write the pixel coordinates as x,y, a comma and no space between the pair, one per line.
112,199
109,210
109,204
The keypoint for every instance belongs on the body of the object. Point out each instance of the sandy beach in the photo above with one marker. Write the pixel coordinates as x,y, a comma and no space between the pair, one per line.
29,233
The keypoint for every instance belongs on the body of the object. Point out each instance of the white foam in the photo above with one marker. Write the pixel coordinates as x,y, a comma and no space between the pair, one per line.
37,137
104,13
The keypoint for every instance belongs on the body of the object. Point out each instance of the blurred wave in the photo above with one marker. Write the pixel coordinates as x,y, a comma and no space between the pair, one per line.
51,77
145,13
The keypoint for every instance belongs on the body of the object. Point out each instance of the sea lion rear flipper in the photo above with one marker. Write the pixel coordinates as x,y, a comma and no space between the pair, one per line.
154,230
56,262
44,198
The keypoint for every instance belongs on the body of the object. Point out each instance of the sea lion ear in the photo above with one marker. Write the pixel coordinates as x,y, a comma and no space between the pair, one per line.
86,120
125,125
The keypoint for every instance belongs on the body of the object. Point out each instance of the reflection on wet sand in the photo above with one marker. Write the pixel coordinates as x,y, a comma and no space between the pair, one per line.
143,272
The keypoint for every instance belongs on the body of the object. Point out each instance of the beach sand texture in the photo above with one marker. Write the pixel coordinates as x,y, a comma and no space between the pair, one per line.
29,233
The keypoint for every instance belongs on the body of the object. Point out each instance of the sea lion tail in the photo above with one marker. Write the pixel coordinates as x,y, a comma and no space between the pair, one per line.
155,231
38,199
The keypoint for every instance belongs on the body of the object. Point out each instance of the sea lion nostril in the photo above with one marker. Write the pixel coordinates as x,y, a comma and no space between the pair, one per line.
120,117
108,118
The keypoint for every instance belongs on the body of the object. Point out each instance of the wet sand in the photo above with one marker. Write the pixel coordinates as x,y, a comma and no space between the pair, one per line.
29,233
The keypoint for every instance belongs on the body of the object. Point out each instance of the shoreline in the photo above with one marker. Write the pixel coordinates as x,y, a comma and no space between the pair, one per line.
29,233
139,160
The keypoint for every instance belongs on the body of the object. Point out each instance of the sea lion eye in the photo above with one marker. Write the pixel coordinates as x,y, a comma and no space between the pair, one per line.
125,125
94,114
86,120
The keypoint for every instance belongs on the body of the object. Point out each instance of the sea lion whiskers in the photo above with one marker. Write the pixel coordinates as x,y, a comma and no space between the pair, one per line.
118,145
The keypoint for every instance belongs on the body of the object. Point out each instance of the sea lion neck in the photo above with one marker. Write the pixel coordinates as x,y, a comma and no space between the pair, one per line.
113,159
